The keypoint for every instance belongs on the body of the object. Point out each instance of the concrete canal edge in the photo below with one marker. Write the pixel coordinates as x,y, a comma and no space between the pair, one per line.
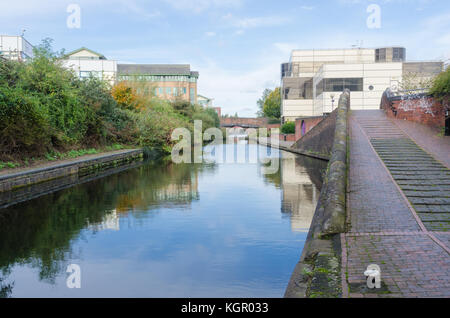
82,166
318,273
302,152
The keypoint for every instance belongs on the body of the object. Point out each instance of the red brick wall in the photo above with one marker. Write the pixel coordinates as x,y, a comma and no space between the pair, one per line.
423,110
309,124
218,111
272,126
260,122
287,137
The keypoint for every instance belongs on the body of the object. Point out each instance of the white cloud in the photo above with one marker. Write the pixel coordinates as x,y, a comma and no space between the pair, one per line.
256,22
238,91
210,34
198,6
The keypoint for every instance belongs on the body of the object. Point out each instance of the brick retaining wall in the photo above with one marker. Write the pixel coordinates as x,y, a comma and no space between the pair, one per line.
421,109
309,123
318,273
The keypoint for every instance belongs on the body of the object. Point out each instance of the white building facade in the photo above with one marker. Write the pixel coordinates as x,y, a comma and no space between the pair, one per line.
314,79
86,63
15,48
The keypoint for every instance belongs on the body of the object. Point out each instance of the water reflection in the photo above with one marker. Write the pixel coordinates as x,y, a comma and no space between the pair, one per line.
163,230
300,194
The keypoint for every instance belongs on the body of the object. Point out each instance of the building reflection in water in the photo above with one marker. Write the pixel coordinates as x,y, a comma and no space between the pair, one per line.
300,192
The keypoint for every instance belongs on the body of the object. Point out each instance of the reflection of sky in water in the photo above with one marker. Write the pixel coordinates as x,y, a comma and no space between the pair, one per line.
230,241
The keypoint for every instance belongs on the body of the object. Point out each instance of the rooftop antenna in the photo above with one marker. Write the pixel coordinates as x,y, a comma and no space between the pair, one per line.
23,32
358,44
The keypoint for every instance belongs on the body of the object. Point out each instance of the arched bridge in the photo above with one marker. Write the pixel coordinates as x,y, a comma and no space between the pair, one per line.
243,122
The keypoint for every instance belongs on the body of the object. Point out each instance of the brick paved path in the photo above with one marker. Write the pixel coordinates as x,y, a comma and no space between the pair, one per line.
400,225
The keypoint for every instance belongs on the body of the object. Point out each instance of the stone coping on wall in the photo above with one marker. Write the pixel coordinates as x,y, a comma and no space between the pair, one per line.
318,273
287,146
32,176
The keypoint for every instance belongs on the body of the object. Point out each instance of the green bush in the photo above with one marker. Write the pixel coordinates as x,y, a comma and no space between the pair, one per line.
288,128
46,111
441,85
24,123
155,128
45,107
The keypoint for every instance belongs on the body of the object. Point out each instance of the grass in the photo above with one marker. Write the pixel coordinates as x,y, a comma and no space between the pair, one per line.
56,155
9,164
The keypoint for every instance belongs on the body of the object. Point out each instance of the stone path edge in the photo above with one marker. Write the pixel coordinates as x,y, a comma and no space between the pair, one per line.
10,182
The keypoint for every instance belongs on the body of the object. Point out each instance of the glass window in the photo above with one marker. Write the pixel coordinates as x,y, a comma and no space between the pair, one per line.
339,84
319,88
168,90
192,95
160,90
184,90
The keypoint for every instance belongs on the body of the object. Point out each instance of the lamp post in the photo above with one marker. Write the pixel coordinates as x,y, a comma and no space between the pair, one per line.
332,102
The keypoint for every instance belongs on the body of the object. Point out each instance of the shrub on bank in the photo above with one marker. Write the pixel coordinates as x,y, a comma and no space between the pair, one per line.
45,108
288,128
441,85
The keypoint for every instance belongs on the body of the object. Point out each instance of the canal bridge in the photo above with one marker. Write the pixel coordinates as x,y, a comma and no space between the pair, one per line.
242,122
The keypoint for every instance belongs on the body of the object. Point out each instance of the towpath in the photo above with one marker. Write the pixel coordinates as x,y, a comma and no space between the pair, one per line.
398,208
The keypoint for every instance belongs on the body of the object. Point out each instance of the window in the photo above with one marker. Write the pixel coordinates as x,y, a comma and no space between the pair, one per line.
398,54
168,90
339,84
87,74
380,55
175,91
192,95
160,91
184,90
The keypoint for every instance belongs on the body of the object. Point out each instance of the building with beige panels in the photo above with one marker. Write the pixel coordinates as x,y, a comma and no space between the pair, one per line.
15,48
85,63
313,79
300,194
167,81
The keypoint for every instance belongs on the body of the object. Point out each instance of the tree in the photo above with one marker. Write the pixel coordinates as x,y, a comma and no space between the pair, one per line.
441,85
415,81
126,96
261,102
272,104
288,128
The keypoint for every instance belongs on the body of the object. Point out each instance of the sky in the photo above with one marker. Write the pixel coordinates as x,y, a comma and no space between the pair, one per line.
237,46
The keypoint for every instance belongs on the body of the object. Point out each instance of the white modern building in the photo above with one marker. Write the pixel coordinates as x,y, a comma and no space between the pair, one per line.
15,48
204,101
313,79
86,63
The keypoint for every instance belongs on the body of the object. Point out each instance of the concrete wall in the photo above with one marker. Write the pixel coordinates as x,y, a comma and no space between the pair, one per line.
377,77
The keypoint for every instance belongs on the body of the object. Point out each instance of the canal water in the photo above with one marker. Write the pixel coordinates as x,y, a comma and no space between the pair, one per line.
165,230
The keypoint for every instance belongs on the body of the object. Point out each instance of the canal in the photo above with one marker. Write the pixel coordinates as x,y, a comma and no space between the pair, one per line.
165,230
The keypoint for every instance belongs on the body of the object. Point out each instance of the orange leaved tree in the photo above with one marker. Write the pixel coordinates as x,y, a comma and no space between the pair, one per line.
127,97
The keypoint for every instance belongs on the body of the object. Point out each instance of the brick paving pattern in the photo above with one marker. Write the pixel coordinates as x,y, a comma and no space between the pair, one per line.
408,240
431,140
